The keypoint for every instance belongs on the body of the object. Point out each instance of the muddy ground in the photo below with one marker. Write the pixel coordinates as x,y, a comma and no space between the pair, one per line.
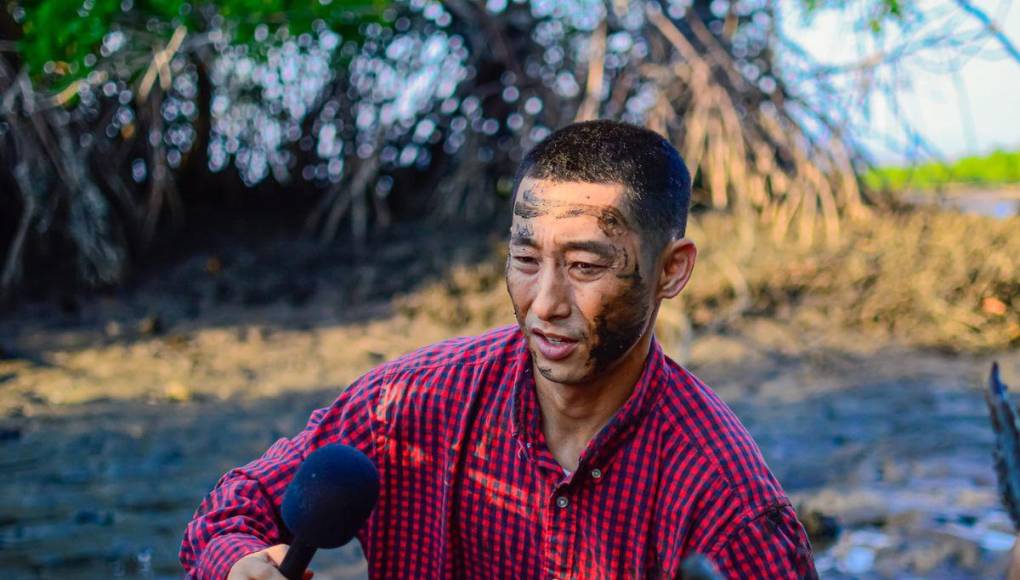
119,412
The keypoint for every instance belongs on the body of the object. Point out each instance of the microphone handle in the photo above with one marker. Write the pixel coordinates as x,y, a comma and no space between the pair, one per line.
294,564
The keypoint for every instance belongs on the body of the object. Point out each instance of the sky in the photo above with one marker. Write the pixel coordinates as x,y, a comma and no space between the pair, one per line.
972,111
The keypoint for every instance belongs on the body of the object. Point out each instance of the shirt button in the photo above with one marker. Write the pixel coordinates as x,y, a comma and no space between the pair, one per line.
562,502
596,473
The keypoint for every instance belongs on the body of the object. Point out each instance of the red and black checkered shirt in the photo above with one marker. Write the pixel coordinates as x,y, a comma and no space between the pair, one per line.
469,488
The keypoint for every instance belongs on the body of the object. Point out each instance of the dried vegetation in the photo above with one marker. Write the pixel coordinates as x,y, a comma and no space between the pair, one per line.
941,280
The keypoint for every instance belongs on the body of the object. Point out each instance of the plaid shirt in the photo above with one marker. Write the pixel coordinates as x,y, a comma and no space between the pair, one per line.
469,488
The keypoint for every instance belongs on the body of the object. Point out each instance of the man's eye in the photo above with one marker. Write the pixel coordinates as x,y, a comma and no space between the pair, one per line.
587,268
525,260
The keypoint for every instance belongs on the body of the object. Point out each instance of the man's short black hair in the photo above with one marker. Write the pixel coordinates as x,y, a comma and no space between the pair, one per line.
655,178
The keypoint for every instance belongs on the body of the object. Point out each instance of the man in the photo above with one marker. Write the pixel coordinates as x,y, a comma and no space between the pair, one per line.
568,446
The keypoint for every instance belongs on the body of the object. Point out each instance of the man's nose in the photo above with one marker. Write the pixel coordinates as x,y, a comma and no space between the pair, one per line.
552,298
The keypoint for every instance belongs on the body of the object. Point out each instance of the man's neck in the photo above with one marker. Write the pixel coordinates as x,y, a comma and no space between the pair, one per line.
573,414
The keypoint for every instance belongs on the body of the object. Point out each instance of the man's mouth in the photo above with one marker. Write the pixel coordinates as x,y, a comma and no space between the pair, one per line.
553,346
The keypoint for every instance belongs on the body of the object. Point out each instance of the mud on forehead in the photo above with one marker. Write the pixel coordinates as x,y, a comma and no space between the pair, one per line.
611,220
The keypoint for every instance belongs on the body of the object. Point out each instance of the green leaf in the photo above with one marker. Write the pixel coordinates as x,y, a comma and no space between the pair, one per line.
66,32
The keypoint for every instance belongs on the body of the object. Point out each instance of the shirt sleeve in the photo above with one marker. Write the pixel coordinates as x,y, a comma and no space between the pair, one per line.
241,514
772,545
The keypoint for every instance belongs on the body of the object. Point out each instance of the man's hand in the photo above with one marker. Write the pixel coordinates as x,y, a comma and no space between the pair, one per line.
262,565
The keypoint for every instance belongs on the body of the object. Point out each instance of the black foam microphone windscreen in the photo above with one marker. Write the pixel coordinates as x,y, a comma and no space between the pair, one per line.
330,498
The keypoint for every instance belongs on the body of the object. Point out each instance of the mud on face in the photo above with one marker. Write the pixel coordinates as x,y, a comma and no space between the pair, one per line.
621,323
623,318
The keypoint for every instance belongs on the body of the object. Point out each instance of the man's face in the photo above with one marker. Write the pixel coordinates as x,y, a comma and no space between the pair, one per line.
580,290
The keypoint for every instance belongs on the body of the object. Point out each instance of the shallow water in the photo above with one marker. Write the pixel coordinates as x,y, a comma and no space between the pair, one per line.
999,205
997,208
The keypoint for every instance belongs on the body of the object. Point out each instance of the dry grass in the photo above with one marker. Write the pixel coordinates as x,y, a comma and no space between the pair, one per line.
924,278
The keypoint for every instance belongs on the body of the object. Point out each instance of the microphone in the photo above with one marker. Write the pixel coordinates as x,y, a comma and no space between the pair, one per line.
698,567
330,498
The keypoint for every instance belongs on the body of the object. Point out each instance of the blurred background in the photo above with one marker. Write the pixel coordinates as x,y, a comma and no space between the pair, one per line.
213,216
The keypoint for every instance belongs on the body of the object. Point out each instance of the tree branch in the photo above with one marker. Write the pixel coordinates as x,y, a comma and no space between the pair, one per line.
991,27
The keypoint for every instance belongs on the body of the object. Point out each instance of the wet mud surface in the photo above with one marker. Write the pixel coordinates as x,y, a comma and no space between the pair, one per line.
895,447
105,489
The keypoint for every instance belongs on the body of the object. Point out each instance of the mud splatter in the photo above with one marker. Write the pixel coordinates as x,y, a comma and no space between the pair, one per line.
529,206
611,220
621,324
522,233
627,273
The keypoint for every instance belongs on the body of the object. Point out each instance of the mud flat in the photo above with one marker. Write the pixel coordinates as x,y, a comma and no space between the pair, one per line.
892,445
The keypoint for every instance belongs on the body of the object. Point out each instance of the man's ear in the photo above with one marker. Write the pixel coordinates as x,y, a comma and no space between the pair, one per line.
677,260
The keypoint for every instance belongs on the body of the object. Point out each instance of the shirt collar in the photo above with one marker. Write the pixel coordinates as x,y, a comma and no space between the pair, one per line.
525,413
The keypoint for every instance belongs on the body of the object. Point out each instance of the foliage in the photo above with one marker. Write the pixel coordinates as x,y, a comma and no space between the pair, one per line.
134,110
64,40
995,169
